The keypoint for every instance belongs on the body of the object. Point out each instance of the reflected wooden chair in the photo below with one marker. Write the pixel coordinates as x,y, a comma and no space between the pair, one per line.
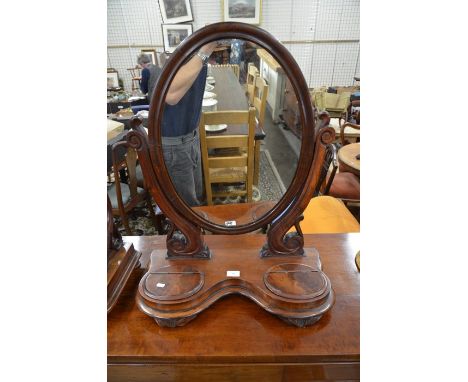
235,68
252,74
125,197
260,94
235,163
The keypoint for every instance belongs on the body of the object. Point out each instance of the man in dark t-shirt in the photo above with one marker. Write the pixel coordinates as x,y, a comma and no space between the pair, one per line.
179,129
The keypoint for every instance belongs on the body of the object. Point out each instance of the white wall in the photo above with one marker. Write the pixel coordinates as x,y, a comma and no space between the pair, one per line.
326,58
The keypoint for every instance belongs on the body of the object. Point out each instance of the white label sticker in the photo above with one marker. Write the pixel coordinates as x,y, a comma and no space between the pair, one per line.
160,285
233,273
230,223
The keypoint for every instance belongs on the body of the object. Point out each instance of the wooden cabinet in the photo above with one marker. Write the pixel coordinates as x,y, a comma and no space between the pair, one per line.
281,100
274,75
290,114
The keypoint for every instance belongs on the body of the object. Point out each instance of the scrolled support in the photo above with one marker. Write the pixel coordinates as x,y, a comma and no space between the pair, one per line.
279,242
183,240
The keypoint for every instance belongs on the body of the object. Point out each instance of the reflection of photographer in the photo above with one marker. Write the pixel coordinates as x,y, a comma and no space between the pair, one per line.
179,127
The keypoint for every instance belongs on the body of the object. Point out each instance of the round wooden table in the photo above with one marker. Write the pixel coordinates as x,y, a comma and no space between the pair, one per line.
347,158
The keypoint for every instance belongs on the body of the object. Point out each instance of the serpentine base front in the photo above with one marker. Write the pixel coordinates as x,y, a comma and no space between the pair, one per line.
294,288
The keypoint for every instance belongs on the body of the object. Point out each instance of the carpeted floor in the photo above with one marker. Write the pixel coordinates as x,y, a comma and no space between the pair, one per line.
270,187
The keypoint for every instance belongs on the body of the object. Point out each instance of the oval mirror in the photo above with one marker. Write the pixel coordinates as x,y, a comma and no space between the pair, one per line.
227,178
274,195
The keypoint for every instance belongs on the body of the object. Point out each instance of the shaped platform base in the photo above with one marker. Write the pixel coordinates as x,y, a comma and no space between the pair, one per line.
294,288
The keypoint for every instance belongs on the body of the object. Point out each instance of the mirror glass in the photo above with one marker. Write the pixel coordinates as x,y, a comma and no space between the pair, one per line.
242,86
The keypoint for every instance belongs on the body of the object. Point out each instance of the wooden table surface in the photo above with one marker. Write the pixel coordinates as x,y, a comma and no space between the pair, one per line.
114,128
347,155
231,96
235,339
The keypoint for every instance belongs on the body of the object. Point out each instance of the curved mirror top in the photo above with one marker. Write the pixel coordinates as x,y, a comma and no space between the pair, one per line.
230,132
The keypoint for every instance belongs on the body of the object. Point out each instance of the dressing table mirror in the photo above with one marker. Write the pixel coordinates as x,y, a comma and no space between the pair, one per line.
282,277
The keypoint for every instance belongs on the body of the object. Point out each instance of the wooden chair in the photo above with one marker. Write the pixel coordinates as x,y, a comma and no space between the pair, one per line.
125,197
326,213
235,68
136,77
342,185
235,166
342,131
252,74
260,94
335,104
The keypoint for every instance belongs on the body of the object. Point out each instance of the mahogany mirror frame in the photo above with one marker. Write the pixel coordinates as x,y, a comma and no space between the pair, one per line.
286,213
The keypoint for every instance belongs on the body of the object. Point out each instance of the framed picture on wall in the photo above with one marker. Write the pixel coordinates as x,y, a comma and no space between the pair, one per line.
152,53
243,11
175,11
174,34
112,78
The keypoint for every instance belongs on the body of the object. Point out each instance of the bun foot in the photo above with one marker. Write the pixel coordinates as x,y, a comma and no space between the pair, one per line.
301,322
173,322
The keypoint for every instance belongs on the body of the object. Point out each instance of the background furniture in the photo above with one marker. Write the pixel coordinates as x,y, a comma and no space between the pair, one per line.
275,77
344,185
349,158
124,197
233,67
290,113
136,77
113,107
114,128
241,213
231,96
335,104
252,74
236,339
235,166
326,214
260,94
343,128
121,260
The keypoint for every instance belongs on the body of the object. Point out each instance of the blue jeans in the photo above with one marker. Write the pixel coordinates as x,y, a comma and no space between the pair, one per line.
183,162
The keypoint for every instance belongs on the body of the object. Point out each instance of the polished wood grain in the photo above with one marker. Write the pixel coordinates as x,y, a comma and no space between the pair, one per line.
119,268
175,292
347,158
236,339
242,213
121,260
185,241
